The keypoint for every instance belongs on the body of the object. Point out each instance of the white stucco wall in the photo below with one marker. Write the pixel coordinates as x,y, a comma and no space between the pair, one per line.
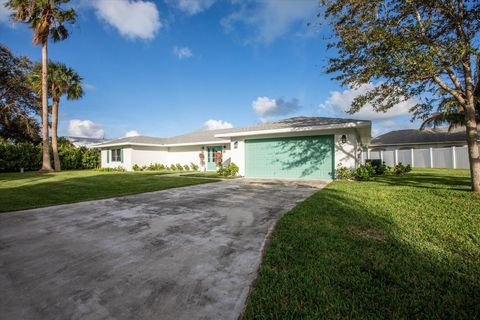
144,156
188,154
347,154
238,155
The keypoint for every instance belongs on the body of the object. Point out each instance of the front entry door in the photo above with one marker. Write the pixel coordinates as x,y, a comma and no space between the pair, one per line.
214,158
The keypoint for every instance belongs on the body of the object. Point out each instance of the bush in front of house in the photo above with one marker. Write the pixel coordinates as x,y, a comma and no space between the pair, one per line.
230,170
364,172
400,169
186,167
179,167
173,167
117,169
28,156
194,166
368,170
91,159
343,173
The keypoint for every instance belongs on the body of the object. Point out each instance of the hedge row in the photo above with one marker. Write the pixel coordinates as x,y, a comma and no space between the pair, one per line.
28,156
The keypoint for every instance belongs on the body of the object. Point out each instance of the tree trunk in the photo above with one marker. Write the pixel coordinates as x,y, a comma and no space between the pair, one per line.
46,165
56,158
473,152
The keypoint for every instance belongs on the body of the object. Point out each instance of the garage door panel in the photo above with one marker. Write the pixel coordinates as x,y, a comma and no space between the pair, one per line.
295,157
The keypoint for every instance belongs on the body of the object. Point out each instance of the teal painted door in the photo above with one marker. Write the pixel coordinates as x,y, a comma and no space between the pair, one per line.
214,155
294,157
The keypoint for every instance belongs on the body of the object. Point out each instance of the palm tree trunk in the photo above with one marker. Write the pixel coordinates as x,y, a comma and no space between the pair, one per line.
46,166
56,158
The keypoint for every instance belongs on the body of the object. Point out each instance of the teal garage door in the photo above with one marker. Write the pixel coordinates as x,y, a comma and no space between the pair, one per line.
309,157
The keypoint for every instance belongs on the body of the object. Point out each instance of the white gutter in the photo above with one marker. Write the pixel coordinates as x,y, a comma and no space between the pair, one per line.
160,145
196,143
289,130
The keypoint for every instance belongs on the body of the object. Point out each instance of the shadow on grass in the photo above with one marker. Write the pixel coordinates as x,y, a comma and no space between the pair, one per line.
428,181
335,257
69,189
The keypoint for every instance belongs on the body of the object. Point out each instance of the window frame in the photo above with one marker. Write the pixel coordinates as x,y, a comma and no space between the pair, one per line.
116,155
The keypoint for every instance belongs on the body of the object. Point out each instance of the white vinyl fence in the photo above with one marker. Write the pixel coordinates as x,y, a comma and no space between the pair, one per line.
451,157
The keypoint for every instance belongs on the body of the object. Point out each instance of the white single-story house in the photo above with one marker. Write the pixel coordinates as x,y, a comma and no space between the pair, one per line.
297,148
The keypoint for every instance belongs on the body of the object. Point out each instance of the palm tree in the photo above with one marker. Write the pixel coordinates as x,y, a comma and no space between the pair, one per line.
47,19
61,81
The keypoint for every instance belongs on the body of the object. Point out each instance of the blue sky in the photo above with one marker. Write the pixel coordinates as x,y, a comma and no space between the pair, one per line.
168,67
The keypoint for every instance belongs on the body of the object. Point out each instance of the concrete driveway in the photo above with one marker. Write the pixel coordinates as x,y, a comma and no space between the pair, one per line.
185,253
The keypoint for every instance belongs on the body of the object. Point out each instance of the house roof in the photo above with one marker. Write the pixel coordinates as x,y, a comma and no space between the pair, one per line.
220,135
415,136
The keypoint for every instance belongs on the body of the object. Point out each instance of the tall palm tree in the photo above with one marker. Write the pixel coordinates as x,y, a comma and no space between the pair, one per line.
61,81
47,19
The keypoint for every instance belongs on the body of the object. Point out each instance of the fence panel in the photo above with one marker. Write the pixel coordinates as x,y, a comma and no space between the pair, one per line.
421,158
389,158
461,157
442,158
405,157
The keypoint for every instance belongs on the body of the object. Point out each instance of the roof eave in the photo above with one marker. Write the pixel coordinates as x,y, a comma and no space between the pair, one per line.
356,124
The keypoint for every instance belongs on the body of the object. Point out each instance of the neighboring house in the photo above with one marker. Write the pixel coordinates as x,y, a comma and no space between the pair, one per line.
84,141
299,148
429,148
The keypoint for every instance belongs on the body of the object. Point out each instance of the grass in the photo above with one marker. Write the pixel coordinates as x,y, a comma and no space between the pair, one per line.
33,189
396,247
206,175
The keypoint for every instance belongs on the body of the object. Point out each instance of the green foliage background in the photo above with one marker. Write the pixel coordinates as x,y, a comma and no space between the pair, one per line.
28,156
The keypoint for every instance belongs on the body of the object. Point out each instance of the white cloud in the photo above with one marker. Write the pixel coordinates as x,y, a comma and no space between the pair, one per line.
267,107
216,124
85,128
340,102
133,19
270,19
397,117
131,133
5,13
192,6
182,53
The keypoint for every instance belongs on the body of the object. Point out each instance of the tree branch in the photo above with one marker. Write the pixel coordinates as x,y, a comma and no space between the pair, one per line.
436,52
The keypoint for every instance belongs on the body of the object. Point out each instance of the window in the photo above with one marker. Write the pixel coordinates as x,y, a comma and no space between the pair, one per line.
116,155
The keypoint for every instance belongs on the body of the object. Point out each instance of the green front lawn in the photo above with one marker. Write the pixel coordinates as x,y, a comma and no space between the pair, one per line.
396,247
33,189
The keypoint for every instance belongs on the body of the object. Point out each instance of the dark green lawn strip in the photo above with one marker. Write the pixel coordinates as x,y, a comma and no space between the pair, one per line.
33,189
397,247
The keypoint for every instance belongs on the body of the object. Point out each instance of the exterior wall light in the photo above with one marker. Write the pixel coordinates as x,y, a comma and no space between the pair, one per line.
203,148
344,139
235,145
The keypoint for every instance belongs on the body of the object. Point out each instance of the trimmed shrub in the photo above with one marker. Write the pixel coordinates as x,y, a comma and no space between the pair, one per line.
400,169
194,166
71,158
179,167
117,169
91,159
186,167
364,172
230,170
343,173
173,167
